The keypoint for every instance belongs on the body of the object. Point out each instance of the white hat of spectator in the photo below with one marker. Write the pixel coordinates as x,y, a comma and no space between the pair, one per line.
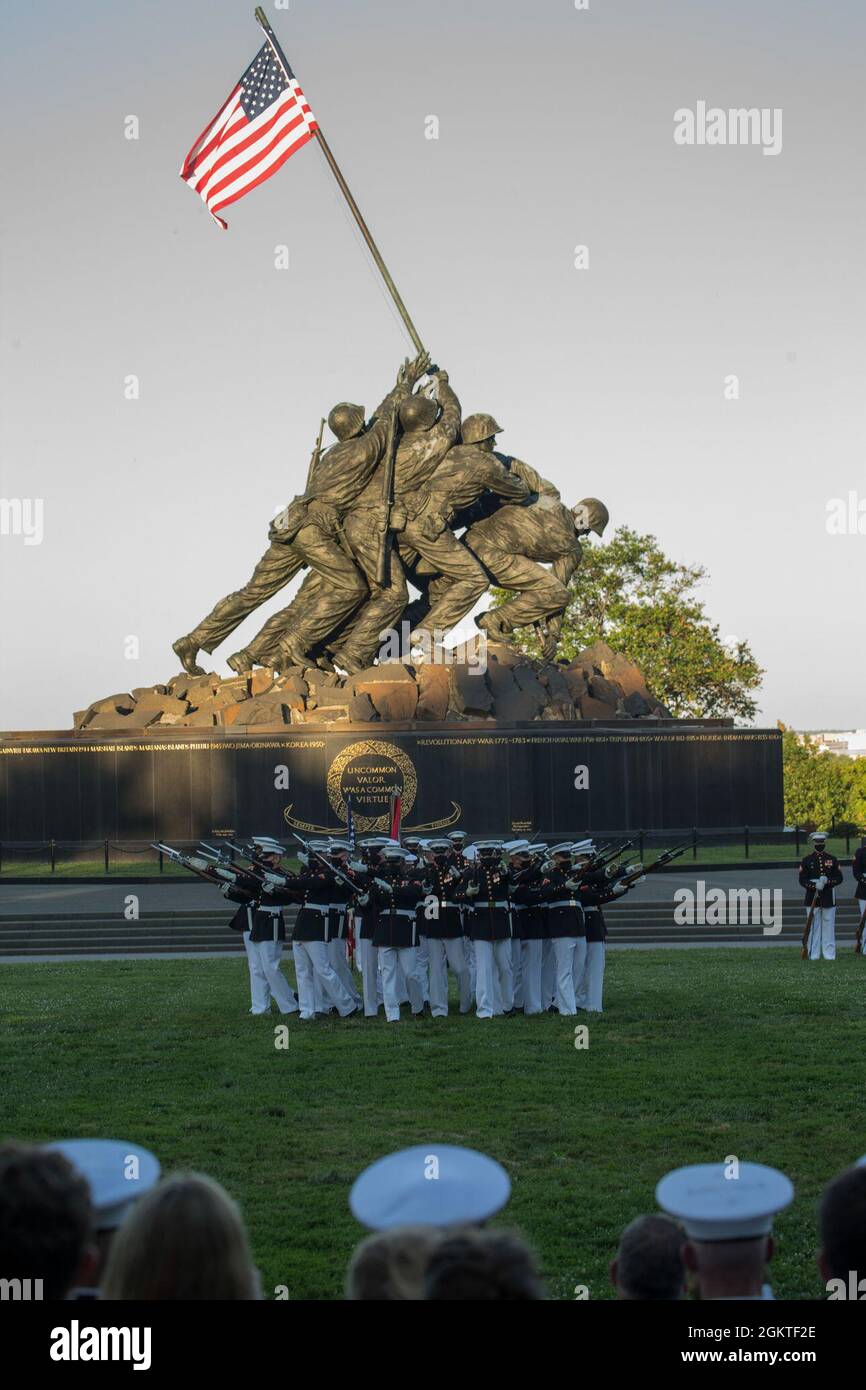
429,1185
713,1203
117,1172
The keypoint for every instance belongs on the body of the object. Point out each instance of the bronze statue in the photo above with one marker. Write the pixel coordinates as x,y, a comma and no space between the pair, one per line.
307,535
384,503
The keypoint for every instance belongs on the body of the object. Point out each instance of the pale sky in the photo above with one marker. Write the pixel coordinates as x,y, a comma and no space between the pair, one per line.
555,129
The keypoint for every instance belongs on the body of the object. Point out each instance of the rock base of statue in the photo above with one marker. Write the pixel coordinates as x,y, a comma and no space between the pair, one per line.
492,682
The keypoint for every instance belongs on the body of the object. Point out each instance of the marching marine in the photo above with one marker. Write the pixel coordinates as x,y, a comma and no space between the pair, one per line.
264,931
566,926
441,925
530,920
485,891
400,889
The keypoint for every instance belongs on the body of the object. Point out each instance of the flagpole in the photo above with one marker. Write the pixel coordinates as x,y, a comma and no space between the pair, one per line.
344,187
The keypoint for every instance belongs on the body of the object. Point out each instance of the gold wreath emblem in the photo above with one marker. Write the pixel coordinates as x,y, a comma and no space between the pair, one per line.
405,781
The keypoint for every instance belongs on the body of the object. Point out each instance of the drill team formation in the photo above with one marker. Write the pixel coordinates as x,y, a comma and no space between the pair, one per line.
519,925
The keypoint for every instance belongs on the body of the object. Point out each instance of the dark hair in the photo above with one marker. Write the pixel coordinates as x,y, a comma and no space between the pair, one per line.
46,1217
842,1223
649,1259
483,1266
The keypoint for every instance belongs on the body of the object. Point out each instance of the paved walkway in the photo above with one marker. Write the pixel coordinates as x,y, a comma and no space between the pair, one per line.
97,898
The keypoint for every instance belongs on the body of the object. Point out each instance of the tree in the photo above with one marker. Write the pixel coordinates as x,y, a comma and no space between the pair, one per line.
630,594
821,789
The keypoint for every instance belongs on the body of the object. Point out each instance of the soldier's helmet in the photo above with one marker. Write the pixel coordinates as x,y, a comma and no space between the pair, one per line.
590,515
418,413
346,420
476,428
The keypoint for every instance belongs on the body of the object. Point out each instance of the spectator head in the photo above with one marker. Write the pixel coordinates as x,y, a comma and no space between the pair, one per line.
729,1268
842,1226
649,1262
184,1240
478,1266
390,1267
727,1212
117,1173
46,1219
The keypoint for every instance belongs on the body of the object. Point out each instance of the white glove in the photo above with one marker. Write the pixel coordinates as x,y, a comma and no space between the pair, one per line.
473,890
384,885
821,882
362,899
572,883
619,889
357,866
269,887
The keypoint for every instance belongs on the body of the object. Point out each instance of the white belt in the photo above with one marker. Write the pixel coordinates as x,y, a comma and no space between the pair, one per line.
568,902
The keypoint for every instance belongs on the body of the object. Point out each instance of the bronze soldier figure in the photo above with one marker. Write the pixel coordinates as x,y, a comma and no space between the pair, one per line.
515,542
427,544
430,428
307,534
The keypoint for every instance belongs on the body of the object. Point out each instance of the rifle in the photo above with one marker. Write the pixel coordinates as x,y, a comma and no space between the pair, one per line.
605,857
195,865
858,939
316,455
332,868
247,882
804,945
659,863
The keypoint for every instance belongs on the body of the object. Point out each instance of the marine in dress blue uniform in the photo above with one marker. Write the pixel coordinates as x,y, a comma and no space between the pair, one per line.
820,874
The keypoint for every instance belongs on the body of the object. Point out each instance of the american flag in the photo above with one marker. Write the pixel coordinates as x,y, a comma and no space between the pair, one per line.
265,119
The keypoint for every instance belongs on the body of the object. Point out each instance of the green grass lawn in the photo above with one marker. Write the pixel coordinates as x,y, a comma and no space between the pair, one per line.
701,1054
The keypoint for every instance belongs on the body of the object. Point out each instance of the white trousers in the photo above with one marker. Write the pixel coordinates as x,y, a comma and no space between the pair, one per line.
266,977
314,973
469,948
371,982
548,974
822,937
338,955
569,954
494,987
423,961
442,952
531,953
406,958
589,987
517,970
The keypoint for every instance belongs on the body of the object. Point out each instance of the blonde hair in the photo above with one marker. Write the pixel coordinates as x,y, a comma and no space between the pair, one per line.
391,1266
185,1239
